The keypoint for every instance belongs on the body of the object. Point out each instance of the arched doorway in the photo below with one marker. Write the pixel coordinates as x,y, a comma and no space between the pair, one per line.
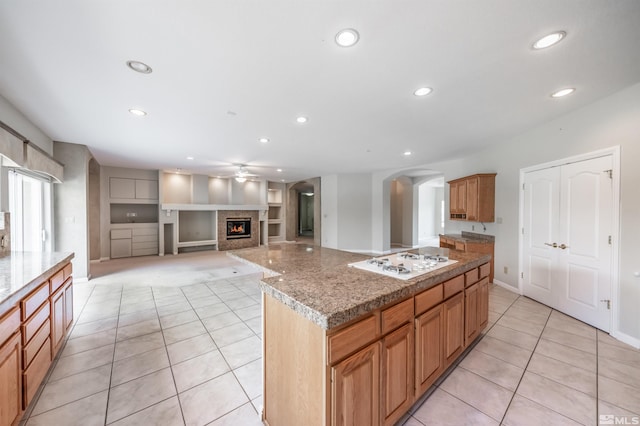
303,211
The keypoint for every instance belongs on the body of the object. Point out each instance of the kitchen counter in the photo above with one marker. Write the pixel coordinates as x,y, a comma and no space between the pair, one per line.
21,272
318,284
470,237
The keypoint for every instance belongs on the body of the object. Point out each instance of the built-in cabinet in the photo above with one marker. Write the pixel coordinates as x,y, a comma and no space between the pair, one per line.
472,198
31,334
378,366
276,212
133,189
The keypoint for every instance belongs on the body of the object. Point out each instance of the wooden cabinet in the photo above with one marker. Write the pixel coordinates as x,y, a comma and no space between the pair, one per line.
58,323
397,374
10,368
471,314
453,328
10,380
472,245
355,388
476,303
472,198
68,303
429,361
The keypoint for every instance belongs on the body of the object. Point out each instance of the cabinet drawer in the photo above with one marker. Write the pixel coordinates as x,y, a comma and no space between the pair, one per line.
145,231
119,234
352,338
145,251
9,323
56,280
33,324
34,374
397,315
460,245
471,277
485,270
68,270
145,239
428,299
31,349
453,286
32,302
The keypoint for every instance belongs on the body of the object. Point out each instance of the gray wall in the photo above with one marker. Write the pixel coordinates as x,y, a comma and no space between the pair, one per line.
71,205
94,210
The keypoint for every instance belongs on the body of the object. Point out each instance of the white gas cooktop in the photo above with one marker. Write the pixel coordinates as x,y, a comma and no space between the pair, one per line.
404,265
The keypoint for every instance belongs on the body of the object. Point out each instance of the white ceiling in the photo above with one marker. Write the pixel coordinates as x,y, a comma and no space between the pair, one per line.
226,73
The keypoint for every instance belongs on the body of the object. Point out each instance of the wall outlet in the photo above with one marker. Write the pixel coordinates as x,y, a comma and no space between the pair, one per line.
473,227
506,270
498,220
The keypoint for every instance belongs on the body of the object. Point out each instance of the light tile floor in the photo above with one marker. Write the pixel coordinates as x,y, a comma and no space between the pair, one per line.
174,354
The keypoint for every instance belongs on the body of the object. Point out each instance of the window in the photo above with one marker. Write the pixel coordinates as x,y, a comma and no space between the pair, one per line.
442,214
30,208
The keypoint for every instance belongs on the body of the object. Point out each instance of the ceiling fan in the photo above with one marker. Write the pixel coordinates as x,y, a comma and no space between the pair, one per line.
241,174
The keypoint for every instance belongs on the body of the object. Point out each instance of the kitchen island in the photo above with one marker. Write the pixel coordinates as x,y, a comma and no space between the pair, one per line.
349,346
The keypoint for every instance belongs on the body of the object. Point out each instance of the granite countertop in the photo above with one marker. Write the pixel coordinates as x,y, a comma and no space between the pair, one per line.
317,282
21,272
470,237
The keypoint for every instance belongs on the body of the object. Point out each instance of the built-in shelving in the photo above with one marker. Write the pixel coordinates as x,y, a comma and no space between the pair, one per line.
275,216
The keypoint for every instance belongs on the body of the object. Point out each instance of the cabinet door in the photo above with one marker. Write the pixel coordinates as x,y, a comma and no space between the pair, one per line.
470,314
397,374
472,198
429,348
68,304
10,381
146,189
120,248
58,325
122,188
453,328
483,303
355,393
462,197
453,198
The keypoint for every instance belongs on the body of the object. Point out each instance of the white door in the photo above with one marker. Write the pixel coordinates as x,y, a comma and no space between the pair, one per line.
567,229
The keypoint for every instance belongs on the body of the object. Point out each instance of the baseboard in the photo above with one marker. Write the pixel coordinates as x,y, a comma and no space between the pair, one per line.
625,338
77,280
104,259
506,286
95,261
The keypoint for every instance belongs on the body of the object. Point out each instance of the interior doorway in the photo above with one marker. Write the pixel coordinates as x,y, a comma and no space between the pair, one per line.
568,251
305,214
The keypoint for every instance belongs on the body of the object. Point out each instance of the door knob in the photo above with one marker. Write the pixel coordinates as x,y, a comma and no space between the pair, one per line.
563,246
554,245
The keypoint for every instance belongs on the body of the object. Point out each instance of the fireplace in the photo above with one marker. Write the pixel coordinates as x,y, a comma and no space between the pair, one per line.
238,228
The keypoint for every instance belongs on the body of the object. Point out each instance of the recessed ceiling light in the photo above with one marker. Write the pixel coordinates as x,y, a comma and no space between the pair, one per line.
279,170
549,40
302,119
263,140
407,153
563,92
347,37
140,67
423,91
138,112
189,158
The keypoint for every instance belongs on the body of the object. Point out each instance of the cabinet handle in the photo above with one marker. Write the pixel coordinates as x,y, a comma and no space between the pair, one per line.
563,246
554,245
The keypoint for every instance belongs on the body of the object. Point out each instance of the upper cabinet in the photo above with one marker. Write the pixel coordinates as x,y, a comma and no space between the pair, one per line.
472,198
133,189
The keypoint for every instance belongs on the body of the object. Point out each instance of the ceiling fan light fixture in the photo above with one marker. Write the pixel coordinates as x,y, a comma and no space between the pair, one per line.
140,67
347,37
549,40
241,179
563,92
